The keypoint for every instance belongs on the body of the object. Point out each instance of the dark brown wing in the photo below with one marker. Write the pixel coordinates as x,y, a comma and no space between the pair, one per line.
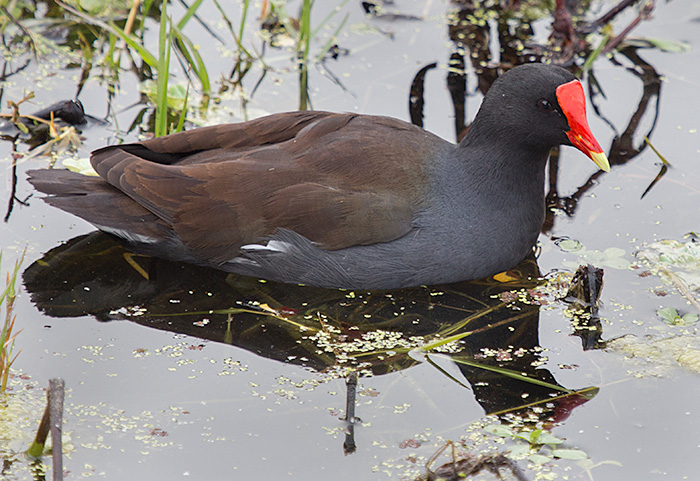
337,179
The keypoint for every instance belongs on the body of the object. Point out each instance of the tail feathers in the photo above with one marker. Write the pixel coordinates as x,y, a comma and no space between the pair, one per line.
107,208
65,183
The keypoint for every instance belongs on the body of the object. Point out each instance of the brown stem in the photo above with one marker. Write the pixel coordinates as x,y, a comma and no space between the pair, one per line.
56,396
612,13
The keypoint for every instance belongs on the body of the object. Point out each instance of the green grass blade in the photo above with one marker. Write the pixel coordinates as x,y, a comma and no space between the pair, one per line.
512,374
163,67
328,18
113,28
144,13
332,40
445,373
462,335
183,113
244,16
658,154
305,28
147,56
587,393
193,58
7,336
588,64
189,14
303,46
665,164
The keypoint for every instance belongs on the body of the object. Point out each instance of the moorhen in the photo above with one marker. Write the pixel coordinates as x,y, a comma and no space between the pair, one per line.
341,200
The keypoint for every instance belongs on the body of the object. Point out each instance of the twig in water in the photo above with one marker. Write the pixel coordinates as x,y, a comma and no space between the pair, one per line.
56,395
52,421
349,446
680,285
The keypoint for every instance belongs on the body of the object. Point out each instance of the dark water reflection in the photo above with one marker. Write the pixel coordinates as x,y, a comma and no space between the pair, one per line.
94,275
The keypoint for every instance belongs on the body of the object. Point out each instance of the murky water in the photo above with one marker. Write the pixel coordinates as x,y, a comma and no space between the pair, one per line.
166,381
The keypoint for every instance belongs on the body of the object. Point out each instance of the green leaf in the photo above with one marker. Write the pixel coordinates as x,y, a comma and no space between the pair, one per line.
672,46
614,257
570,245
668,315
569,454
81,166
539,458
549,438
519,450
499,430
614,252
616,263
95,7
671,317
176,95
675,262
23,128
535,436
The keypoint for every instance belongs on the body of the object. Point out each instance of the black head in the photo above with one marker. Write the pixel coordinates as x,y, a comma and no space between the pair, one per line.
521,108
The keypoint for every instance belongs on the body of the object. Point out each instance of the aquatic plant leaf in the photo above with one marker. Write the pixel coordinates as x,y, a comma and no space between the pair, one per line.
569,454
612,257
81,165
667,258
656,357
671,317
176,96
546,437
570,245
539,458
538,437
672,46
668,315
520,450
499,430
95,7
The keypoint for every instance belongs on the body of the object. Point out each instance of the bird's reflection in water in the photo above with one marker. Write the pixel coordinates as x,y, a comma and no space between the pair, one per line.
498,352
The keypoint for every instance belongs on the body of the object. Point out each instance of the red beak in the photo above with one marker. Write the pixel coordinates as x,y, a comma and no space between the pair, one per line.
573,103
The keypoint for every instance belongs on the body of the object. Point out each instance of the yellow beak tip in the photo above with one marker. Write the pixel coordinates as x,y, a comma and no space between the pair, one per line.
601,160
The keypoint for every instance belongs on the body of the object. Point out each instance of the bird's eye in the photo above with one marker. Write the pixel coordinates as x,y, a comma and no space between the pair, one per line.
544,106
